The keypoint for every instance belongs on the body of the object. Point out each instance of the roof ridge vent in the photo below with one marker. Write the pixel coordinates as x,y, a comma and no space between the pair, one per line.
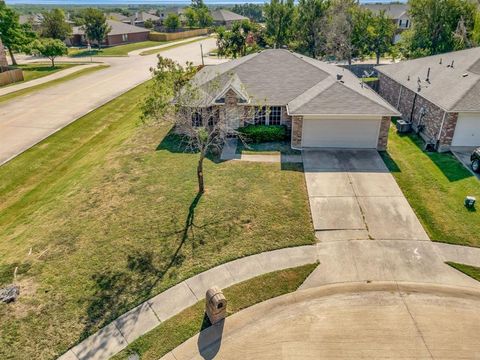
428,76
451,65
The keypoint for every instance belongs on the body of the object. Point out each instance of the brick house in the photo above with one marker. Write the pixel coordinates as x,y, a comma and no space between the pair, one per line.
439,94
323,105
120,33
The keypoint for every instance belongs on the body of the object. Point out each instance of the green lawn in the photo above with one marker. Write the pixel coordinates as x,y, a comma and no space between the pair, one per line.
119,50
156,51
268,148
173,332
103,215
472,271
35,71
435,185
31,89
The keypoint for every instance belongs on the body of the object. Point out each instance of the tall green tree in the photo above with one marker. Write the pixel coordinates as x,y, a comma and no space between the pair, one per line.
55,26
95,25
435,23
253,11
15,36
191,17
381,32
279,17
204,17
309,13
172,22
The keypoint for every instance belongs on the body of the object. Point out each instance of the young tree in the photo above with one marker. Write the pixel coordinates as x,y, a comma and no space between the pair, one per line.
190,113
50,48
148,24
204,17
54,25
306,24
172,22
381,33
279,16
95,24
15,37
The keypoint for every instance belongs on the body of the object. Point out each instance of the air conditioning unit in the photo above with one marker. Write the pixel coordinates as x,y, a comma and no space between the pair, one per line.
404,126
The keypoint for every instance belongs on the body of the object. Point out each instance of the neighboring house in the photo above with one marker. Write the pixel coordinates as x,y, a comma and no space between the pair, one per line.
140,17
398,13
323,105
163,14
226,18
120,33
118,17
439,94
35,20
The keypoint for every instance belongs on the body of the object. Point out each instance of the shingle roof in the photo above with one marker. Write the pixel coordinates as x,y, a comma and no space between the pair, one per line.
305,85
142,16
395,11
118,28
226,15
453,89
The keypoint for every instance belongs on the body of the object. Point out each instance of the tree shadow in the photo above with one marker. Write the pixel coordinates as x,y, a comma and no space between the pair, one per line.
291,166
117,291
176,144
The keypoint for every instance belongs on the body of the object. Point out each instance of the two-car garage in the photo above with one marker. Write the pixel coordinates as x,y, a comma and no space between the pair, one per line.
467,130
328,132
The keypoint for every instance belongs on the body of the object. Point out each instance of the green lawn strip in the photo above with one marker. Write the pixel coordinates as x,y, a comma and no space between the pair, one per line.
107,206
173,332
119,50
269,148
472,271
156,51
45,85
435,185
34,71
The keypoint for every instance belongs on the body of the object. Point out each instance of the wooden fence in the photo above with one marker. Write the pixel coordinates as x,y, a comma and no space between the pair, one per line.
157,36
11,76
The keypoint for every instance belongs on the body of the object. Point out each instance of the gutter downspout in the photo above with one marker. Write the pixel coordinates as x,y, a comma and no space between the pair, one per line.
399,96
441,128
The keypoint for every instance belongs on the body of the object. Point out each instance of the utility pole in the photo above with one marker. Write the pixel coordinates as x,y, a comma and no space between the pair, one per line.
201,52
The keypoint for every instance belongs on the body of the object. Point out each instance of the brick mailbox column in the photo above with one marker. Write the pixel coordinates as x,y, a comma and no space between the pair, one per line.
215,305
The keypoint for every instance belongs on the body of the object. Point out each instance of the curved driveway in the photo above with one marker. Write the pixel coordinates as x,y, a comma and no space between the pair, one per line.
28,119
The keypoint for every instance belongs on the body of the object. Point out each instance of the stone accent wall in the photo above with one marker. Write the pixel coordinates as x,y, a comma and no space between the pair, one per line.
412,105
3,57
297,127
383,134
231,98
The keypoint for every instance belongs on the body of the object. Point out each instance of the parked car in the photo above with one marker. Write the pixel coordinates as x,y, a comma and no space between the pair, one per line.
475,159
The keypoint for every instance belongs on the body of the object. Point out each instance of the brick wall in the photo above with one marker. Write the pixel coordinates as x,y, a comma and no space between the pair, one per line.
412,107
132,38
383,134
297,127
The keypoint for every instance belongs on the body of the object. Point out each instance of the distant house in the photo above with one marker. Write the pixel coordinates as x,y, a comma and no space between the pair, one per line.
163,14
120,33
34,20
140,17
226,18
439,94
398,13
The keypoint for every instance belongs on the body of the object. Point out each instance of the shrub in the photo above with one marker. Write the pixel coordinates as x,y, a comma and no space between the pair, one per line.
264,133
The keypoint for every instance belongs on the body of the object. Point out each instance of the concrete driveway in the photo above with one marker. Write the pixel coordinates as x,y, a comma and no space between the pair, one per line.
463,155
26,120
354,197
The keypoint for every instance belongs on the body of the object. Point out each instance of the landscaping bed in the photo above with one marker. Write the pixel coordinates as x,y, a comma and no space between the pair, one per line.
103,215
435,185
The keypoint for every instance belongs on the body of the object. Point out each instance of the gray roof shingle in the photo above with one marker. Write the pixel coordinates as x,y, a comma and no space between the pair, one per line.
118,28
226,15
453,89
305,85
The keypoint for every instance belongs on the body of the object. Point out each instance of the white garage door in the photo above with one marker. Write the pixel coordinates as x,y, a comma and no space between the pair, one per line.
467,132
340,133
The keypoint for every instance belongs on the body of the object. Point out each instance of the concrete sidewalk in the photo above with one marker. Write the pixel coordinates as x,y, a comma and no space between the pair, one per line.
48,78
137,322
459,254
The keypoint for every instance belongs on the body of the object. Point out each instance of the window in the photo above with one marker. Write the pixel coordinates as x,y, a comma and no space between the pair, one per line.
275,116
196,119
260,115
125,37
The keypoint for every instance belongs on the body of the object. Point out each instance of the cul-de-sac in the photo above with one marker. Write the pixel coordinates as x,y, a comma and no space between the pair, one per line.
239,180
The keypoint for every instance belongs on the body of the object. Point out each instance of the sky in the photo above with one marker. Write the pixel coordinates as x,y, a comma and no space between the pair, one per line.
156,2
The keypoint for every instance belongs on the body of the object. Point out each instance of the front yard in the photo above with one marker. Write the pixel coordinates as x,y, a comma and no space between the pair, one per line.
103,215
35,71
118,50
435,185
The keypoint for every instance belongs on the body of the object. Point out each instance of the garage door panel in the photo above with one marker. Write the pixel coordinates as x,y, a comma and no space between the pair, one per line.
467,131
341,133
